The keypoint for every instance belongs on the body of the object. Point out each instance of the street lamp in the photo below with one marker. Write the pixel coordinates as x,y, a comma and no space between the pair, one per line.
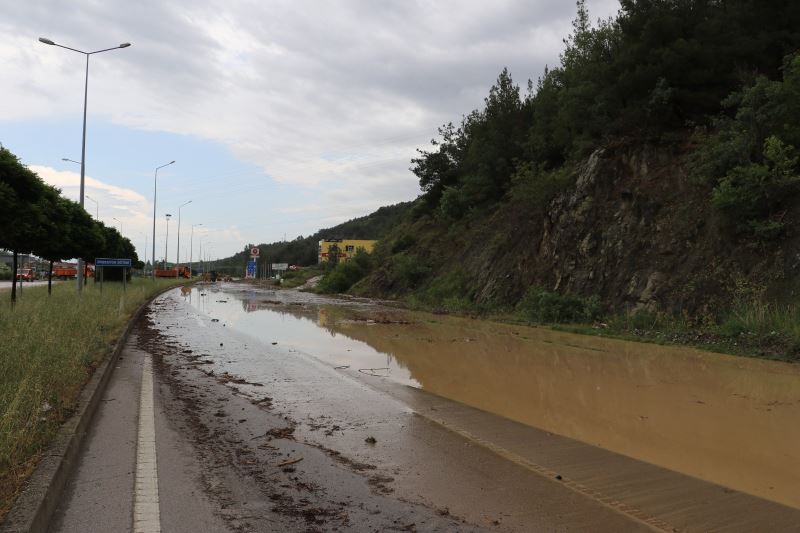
96,207
178,251
191,241
83,145
120,224
166,241
155,190
144,270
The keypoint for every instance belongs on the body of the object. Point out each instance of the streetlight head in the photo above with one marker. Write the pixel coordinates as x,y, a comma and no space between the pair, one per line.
124,45
170,162
45,40
167,215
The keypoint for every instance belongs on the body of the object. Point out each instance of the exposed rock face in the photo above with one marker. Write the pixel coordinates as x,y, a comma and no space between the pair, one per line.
636,231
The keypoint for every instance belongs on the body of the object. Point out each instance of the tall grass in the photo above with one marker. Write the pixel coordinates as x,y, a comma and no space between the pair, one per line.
49,347
764,321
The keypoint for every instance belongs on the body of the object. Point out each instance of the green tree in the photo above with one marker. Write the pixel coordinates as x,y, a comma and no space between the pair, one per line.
21,216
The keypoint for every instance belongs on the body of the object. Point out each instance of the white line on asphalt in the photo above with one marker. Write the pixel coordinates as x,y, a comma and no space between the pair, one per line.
146,514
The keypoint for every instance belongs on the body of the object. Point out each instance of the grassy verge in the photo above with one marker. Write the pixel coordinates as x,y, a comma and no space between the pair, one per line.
765,339
755,329
292,279
50,347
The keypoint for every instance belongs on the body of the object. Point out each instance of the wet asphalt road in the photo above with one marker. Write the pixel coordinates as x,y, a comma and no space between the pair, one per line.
255,435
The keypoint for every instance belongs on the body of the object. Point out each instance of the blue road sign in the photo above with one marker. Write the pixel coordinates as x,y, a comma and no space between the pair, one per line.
112,262
251,269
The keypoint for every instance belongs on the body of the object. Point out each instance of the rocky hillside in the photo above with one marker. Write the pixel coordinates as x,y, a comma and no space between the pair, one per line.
643,172
633,228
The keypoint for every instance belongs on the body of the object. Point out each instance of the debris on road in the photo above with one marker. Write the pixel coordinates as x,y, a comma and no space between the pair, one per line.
371,372
290,461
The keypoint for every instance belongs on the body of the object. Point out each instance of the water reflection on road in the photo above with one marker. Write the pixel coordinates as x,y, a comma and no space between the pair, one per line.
725,419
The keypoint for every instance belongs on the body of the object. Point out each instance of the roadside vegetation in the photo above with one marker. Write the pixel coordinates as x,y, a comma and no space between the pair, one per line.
50,347
36,218
295,278
768,331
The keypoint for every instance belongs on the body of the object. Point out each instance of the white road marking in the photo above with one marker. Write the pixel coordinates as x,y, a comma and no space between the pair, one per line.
146,514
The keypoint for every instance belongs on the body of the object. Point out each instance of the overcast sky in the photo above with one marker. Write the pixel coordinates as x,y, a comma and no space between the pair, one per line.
284,116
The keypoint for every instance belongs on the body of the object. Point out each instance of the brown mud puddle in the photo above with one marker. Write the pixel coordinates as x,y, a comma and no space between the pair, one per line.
724,419
260,476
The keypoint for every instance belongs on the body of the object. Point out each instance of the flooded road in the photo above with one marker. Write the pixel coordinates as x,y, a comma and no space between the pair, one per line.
727,420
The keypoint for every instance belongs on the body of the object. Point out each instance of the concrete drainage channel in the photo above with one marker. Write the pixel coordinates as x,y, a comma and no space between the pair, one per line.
36,504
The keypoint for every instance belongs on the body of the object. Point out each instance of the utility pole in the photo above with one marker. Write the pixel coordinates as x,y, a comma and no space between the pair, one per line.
166,242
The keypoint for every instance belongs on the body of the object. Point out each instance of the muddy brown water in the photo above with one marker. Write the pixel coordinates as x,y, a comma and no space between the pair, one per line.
724,419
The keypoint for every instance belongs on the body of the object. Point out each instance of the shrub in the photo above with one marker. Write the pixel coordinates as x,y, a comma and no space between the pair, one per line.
344,275
407,271
539,305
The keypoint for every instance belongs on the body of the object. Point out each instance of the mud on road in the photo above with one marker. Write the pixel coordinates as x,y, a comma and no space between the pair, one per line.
311,414
262,478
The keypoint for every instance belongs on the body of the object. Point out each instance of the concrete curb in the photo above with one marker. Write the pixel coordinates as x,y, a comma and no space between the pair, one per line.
35,505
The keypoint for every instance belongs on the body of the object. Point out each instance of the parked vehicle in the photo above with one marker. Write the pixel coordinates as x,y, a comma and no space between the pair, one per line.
25,274
174,272
70,271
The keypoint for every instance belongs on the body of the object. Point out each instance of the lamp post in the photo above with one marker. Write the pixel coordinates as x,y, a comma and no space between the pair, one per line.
120,224
145,254
83,144
178,251
166,241
155,190
96,207
96,204
191,241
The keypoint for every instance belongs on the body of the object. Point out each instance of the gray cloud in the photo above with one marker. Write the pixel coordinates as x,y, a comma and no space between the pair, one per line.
315,93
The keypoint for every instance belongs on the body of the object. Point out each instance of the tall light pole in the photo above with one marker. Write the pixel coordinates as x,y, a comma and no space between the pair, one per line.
96,207
83,144
166,241
145,254
191,241
96,204
155,190
120,224
178,252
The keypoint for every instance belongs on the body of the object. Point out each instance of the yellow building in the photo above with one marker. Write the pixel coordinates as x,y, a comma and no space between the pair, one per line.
343,248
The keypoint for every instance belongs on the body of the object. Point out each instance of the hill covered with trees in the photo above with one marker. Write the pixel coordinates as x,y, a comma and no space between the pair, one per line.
654,169
303,250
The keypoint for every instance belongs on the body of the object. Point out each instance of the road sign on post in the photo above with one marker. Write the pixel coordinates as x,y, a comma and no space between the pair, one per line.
251,270
254,251
113,262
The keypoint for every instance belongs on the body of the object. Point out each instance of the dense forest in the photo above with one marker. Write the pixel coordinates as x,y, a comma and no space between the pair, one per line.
36,218
725,71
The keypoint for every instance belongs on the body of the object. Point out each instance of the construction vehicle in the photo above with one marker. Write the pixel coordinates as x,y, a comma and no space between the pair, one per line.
70,271
174,272
25,274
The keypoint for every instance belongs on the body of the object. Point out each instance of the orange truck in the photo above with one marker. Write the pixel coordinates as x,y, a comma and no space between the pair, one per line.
70,271
174,272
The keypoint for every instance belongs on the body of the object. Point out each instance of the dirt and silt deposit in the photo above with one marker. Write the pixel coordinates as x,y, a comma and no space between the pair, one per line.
322,414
